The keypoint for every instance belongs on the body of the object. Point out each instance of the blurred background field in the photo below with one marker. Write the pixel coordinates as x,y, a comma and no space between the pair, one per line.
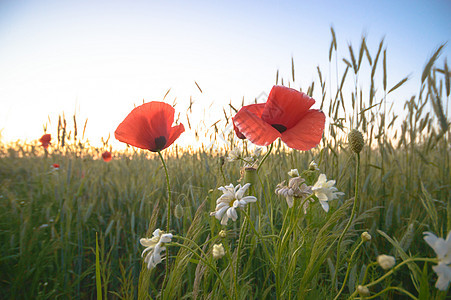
50,217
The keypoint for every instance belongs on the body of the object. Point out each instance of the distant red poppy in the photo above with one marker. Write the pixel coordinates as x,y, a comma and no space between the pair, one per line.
148,126
56,166
45,140
106,156
287,115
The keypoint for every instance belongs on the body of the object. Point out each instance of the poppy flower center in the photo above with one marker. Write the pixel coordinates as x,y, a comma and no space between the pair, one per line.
160,142
279,127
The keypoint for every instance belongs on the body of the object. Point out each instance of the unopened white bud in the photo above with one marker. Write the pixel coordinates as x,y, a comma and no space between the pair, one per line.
366,237
218,251
386,261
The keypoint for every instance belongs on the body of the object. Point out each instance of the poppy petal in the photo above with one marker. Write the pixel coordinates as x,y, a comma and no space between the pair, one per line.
238,133
285,107
174,134
256,109
254,128
307,133
147,126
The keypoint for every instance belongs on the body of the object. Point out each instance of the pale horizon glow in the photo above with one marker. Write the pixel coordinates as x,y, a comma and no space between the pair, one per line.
100,59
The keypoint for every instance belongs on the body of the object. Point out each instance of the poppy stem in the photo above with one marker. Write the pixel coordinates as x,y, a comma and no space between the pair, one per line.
264,157
169,192
168,221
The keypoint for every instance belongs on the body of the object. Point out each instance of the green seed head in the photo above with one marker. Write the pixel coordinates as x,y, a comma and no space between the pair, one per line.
355,139
250,175
178,211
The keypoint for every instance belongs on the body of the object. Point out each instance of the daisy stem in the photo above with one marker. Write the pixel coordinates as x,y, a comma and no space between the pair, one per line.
393,270
238,250
287,228
260,237
374,263
356,196
396,288
207,263
349,268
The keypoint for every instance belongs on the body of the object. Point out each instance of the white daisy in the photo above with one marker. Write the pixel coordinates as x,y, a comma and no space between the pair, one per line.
441,247
443,250
231,199
234,155
296,188
444,276
325,191
155,246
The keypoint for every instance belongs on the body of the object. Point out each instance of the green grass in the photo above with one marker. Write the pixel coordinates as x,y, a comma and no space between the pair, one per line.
49,218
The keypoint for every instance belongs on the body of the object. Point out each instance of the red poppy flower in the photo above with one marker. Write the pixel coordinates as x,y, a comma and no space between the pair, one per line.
45,140
107,156
148,126
256,109
287,115
56,166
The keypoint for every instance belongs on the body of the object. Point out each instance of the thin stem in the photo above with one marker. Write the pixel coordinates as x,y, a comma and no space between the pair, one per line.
168,219
169,192
398,266
264,157
393,270
349,269
238,250
356,196
384,291
207,263
374,263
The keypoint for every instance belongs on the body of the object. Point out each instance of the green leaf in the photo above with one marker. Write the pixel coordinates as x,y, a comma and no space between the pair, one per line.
424,285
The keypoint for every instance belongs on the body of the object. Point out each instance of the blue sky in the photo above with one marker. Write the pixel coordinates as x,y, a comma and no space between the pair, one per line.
102,57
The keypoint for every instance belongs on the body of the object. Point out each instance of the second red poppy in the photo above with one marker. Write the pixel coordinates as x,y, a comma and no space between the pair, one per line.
287,115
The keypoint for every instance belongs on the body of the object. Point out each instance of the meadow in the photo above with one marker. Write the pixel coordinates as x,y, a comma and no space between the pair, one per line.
57,221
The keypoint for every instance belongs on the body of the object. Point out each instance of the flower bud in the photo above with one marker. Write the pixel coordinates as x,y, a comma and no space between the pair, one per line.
355,139
313,166
386,261
250,175
293,173
366,237
222,234
218,251
363,291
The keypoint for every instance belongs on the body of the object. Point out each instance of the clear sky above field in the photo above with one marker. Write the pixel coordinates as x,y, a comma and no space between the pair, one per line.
99,58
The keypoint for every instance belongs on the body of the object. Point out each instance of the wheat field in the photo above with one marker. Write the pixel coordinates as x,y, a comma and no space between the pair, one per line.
396,188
